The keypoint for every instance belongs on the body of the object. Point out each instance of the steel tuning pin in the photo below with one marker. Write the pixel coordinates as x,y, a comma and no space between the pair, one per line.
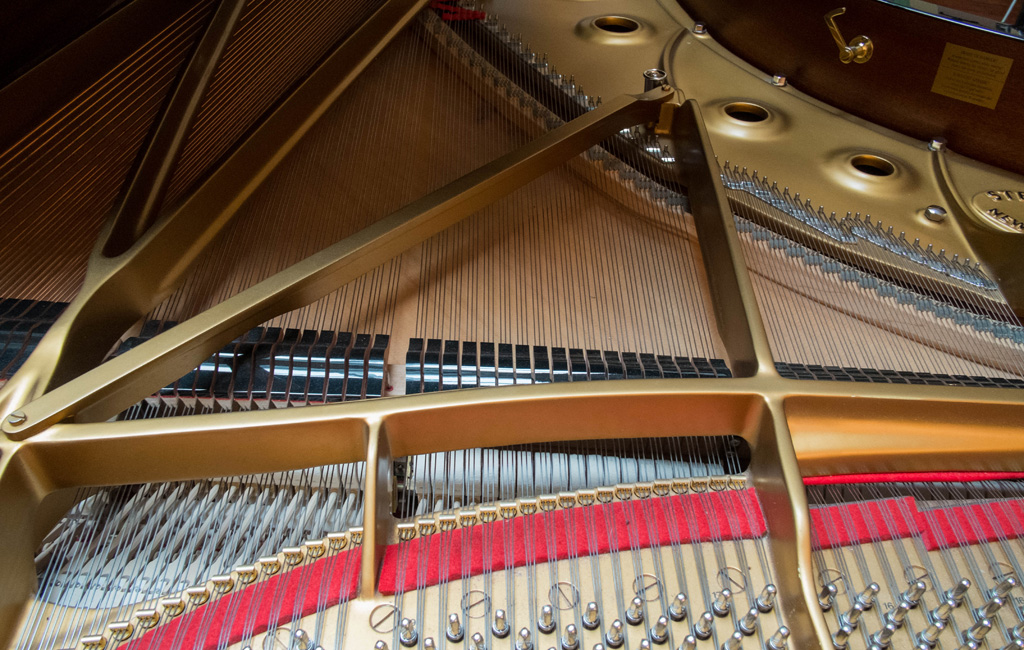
571,638
380,645
978,630
897,614
722,603
944,610
867,597
546,624
930,635
1015,644
454,631
1018,631
598,646
301,640
914,592
635,611
659,633
644,645
689,643
614,635
852,617
500,627
477,641
428,643
766,600
883,637
779,640
677,610
702,628
407,635
957,593
523,640
591,617
748,624
991,608
1005,587
826,595
735,642
841,637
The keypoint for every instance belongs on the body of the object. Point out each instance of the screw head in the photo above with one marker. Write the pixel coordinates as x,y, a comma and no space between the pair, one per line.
935,213
779,80
938,144
17,418
700,28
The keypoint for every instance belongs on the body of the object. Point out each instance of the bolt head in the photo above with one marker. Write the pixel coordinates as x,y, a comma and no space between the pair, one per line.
700,28
935,213
938,144
779,80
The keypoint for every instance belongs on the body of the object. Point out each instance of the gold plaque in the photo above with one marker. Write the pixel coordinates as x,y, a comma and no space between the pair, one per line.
1003,209
971,75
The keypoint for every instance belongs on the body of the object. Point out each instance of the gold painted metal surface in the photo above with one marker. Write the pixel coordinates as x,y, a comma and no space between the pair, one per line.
793,427
803,145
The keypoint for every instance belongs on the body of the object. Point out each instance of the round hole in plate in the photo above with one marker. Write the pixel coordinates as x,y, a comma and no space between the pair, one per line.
746,112
873,165
617,24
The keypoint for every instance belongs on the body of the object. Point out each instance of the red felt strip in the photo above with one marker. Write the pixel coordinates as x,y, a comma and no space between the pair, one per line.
912,477
258,607
866,521
971,524
550,536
